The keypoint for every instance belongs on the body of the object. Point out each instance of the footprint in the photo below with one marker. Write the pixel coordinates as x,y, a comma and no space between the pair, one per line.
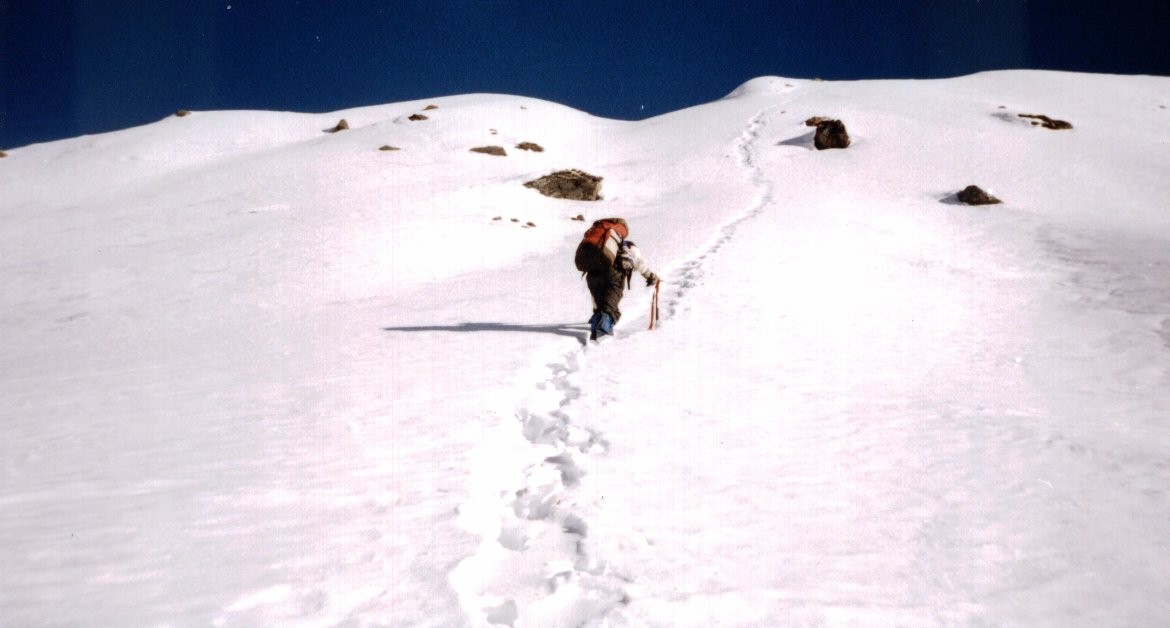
585,440
534,506
503,615
513,539
558,580
541,430
571,474
575,525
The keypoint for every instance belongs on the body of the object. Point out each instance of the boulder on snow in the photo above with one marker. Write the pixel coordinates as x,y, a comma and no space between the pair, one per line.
491,150
388,147
417,117
430,107
182,113
815,120
974,195
1046,122
830,134
532,146
3,154
573,185
342,125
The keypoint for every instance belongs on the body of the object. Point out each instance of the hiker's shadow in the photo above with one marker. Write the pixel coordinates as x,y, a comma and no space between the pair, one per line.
559,329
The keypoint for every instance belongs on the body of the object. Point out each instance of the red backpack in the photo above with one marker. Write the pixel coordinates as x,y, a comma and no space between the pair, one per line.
599,247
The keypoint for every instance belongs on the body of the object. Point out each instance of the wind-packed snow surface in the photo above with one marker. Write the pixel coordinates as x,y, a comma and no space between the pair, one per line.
255,373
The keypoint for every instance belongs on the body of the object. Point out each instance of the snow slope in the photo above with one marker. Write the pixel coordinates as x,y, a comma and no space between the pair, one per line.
258,373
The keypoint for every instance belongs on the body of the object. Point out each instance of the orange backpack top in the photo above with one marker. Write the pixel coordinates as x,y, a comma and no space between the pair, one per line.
599,248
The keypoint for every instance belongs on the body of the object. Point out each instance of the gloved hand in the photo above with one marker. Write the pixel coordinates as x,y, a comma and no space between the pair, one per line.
651,279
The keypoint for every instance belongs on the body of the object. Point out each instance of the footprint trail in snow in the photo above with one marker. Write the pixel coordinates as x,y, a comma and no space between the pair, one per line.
536,565
690,273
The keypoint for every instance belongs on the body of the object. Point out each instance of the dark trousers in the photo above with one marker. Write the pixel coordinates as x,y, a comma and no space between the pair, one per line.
607,287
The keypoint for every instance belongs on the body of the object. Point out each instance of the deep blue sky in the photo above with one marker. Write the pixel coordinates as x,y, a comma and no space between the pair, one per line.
86,66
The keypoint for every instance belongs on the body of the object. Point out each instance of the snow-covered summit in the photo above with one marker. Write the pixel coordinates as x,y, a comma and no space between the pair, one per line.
764,85
260,373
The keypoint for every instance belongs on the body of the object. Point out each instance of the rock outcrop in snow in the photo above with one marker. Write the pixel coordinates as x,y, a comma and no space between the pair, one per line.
497,151
975,195
573,185
1046,122
831,134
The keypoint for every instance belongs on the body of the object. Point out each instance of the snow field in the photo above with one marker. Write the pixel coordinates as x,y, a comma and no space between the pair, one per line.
248,384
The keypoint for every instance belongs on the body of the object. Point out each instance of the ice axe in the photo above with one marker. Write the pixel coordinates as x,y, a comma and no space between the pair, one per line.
654,304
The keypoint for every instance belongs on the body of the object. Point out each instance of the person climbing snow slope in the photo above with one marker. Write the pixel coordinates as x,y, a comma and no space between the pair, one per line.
608,260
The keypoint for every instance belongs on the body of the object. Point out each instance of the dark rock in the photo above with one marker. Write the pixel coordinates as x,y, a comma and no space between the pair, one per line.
430,107
389,147
417,117
342,125
182,113
1046,122
974,195
536,148
491,150
815,120
578,217
573,185
831,134
3,154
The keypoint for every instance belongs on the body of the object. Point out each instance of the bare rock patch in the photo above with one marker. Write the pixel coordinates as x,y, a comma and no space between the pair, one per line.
574,185
498,151
974,195
1046,122
830,134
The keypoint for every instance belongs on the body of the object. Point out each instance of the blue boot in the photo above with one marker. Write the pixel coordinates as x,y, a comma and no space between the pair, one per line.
601,324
